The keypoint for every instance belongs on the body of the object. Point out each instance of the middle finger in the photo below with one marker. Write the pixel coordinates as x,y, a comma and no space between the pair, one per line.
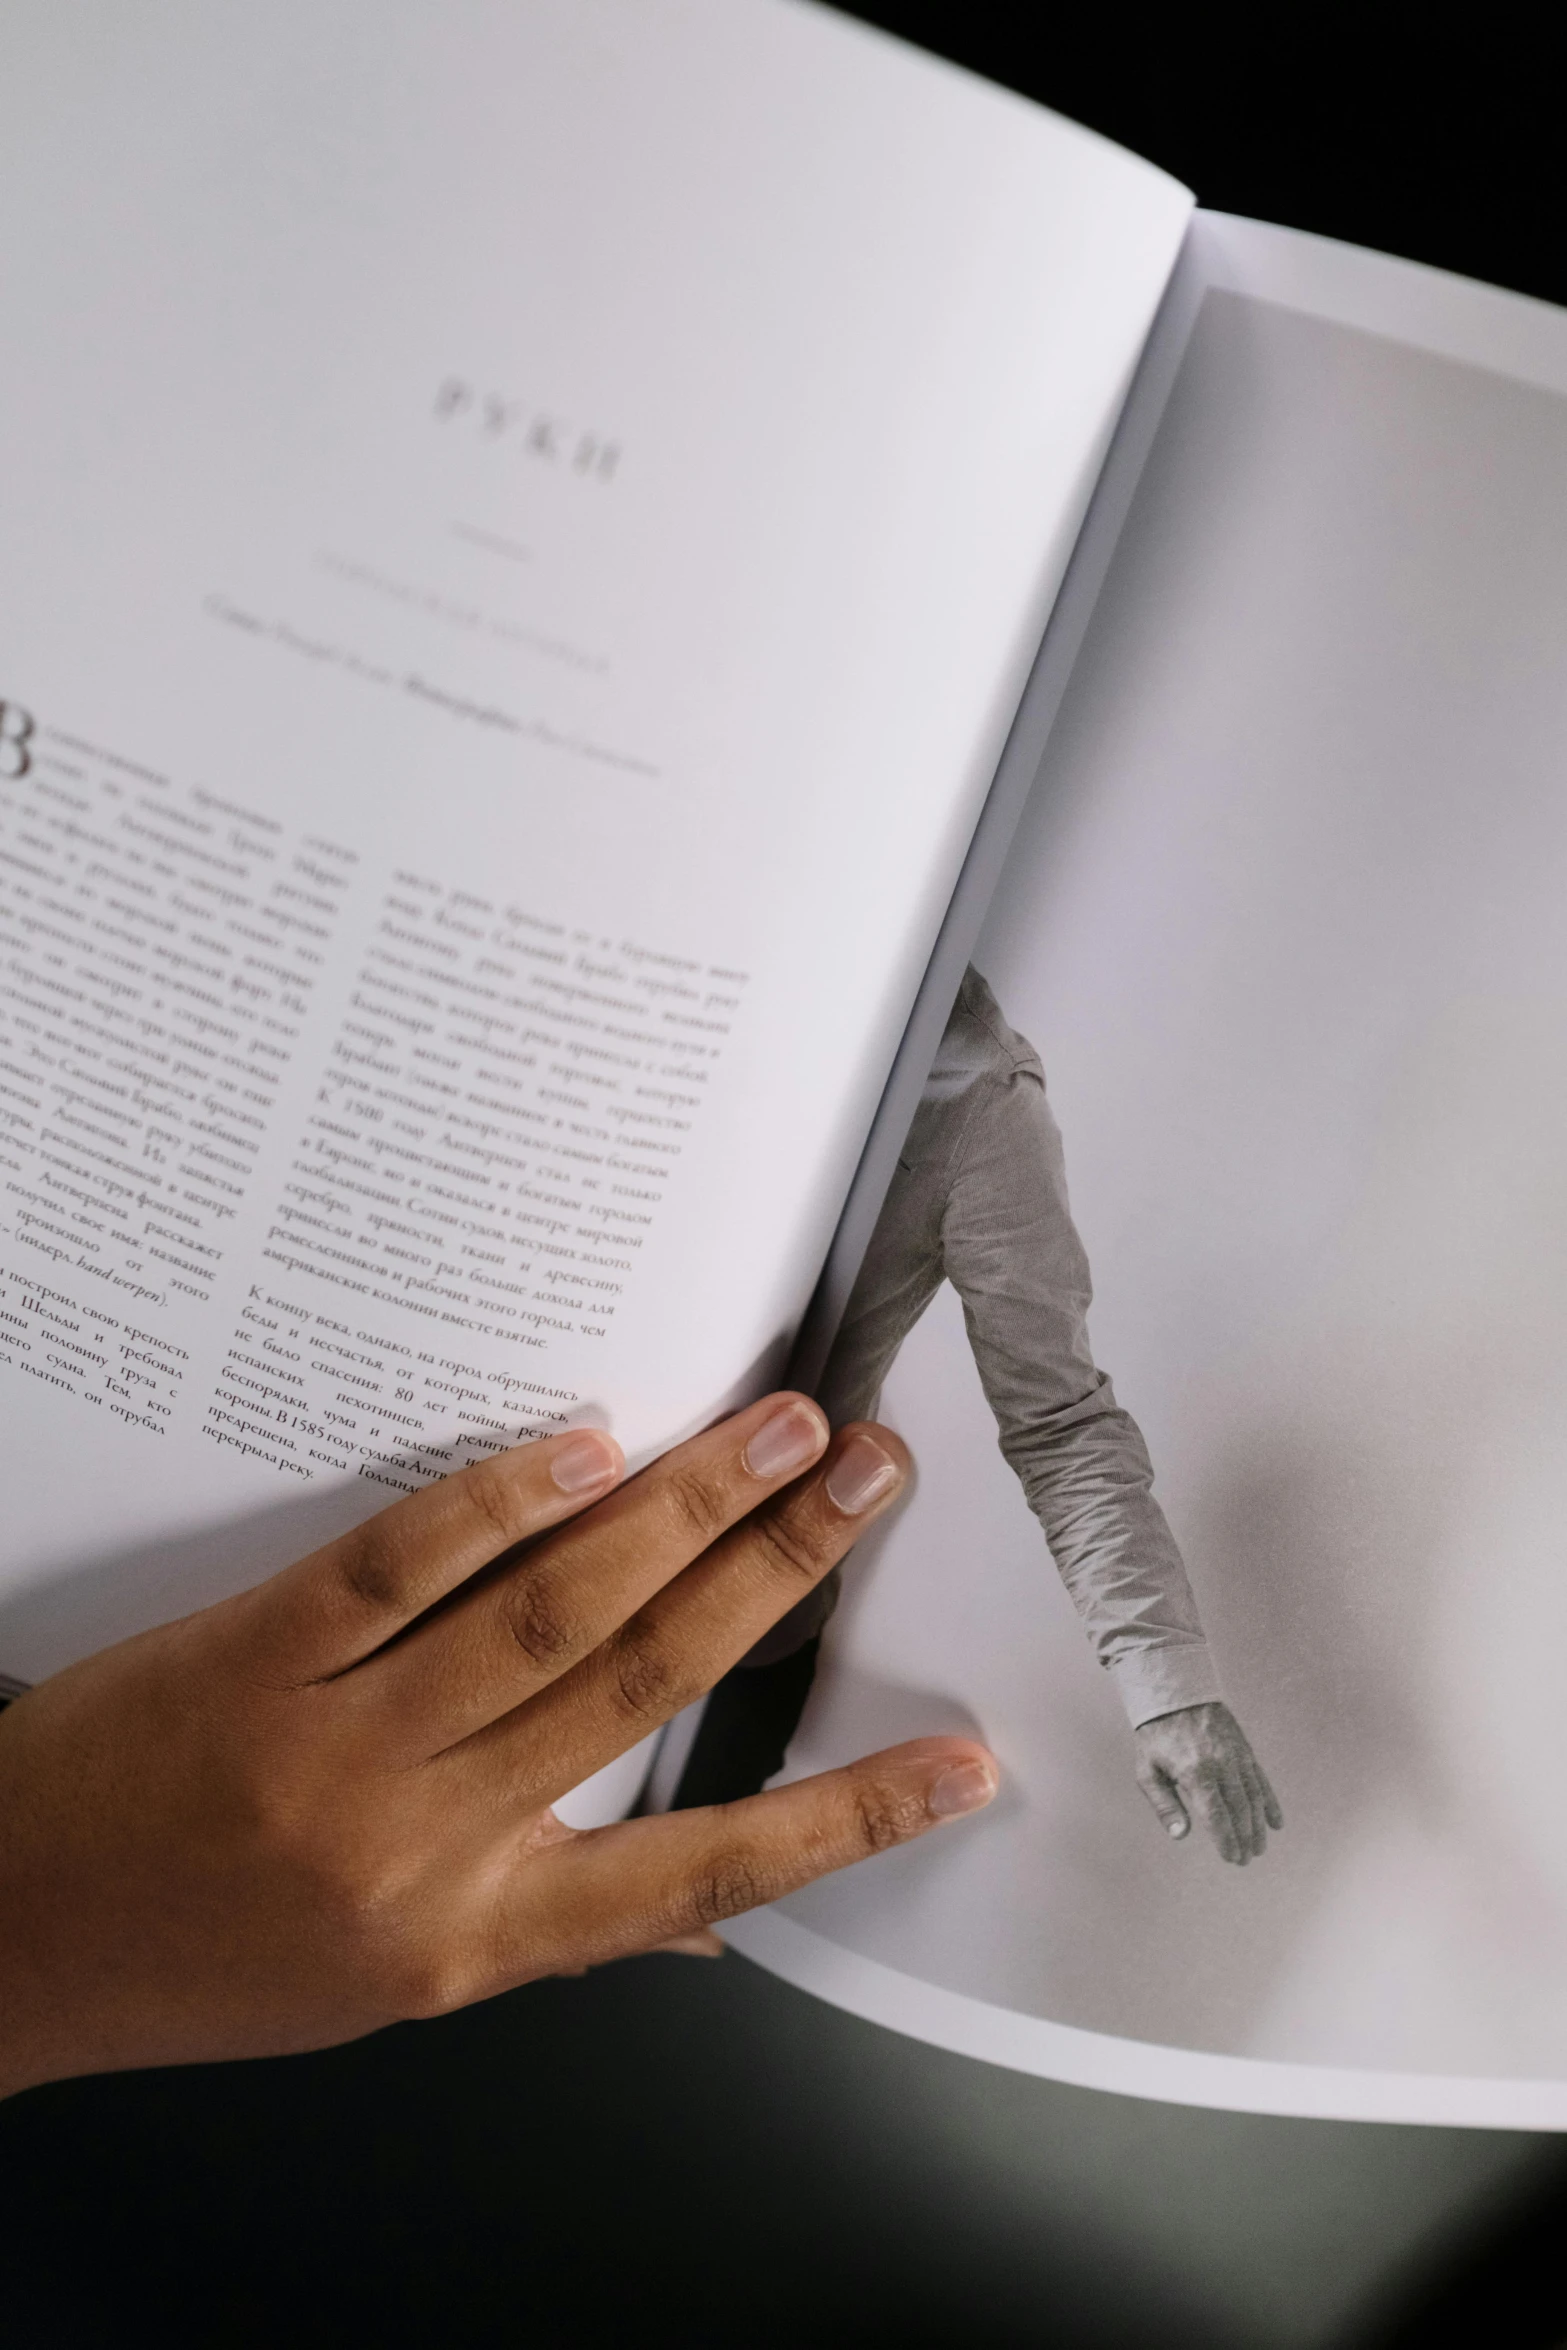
1205,1794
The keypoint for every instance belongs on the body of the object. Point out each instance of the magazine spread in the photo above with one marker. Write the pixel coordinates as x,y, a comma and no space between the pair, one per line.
522,699
1266,1025
503,657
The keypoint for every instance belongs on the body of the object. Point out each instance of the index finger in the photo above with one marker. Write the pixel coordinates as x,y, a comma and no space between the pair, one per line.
607,1892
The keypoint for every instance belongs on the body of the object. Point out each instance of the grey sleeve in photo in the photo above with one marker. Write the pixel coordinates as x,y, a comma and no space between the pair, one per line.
980,1199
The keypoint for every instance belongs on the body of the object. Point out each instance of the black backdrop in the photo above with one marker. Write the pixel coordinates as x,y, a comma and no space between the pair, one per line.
671,2151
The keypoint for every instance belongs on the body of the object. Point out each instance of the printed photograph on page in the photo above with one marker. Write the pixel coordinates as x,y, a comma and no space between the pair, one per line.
1221,1292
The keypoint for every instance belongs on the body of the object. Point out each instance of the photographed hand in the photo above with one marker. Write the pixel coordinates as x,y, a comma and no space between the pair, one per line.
1200,1761
325,1805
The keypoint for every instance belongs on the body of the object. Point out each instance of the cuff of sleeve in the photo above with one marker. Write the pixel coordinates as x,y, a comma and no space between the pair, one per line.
1154,1681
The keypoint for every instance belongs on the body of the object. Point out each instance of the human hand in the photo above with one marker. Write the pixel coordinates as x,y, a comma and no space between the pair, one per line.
1200,1760
324,1805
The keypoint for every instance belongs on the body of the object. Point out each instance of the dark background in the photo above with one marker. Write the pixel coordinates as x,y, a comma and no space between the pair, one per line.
693,2153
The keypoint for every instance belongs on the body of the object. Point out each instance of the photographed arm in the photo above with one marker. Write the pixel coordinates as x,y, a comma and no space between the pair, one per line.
324,1806
1011,1250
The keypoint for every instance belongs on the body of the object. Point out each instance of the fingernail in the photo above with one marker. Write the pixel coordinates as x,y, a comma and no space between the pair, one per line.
790,1440
965,1787
1175,1828
585,1461
860,1475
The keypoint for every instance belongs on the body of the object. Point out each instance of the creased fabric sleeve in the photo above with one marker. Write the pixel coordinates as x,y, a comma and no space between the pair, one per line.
1011,1250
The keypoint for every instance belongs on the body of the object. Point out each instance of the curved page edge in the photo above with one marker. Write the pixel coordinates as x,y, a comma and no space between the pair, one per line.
1132,2068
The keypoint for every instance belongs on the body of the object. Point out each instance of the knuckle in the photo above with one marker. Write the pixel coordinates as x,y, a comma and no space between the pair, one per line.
540,1626
646,1681
784,1542
881,1819
730,1882
421,1983
349,1900
360,1900
492,1497
367,1570
363,1908
697,1502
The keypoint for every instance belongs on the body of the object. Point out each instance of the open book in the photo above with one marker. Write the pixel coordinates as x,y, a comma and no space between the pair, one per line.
659,664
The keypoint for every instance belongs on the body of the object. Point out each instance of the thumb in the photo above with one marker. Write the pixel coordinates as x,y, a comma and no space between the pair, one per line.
1163,1795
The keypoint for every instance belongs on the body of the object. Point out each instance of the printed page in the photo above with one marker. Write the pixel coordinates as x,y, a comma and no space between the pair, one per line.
1265,1041
525,531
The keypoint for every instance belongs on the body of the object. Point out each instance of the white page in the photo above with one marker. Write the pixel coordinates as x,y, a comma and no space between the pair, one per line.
606,462
1284,922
